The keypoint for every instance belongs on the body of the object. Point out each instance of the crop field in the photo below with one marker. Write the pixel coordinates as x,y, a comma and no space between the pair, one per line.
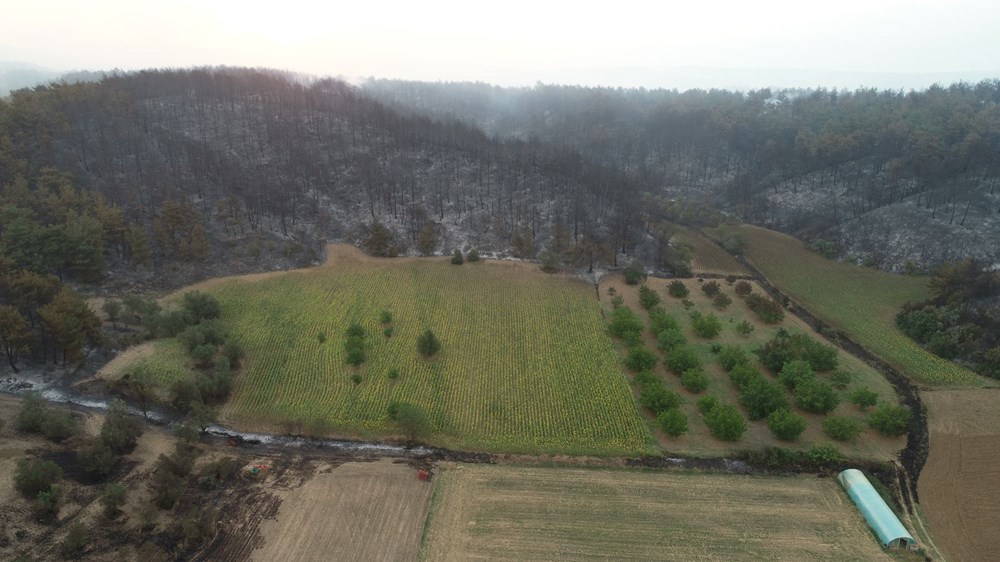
526,365
859,301
698,440
485,512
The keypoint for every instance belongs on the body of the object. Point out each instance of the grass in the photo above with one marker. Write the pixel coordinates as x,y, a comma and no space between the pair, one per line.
858,301
531,513
698,441
526,365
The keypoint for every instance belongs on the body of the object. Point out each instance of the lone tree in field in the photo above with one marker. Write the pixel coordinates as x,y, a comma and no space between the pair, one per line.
456,257
428,344
412,419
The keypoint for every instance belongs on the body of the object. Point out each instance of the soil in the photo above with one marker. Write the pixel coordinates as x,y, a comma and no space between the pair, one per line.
960,484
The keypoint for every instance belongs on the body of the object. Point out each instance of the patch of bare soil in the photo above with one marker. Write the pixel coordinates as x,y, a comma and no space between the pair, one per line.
355,511
959,486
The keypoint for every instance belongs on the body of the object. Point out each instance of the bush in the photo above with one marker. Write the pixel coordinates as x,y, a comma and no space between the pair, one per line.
456,257
617,301
794,373
785,347
234,352
59,425
393,373
785,425
743,288
642,378
473,256
201,306
677,289
722,301
46,503
648,298
711,288
120,430
744,328
767,310
742,375
668,340
658,398
706,403
673,422
824,453
428,344
640,359
725,422
660,321
354,347
695,380
387,331
385,317
203,354
842,428
705,325
840,379
814,395
634,273
625,322
681,358
762,397
730,356
98,459
412,420
864,398
113,498
321,337
169,324
33,413
75,541
890,420
33,476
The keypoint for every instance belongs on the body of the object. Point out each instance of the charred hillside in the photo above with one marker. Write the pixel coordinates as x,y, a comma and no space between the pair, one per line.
885,177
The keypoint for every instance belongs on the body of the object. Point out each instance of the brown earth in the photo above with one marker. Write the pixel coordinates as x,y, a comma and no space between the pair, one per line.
960,484
356,511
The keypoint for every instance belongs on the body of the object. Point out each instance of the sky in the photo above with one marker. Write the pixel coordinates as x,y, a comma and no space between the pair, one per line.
707,43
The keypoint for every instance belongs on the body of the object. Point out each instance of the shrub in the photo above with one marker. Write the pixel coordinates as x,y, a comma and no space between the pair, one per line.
634,273
731,356
203,354
33,413
59,425
658,398
688,305
473,256
681,358
46,503
707,402
794,373
75,541
648,298
660,321
814,395
743,288
354,347
456,257
356,378
767,310
393,373
617,301
785,347
98,459
387,331
428,344
412,420
624,322
744,328
33,476
677,289
640,359
670,339
321,337
842,428
642,378
890,420
234,352
673,422
785,425
722,301
725,422
385,317
824,453
864,398
840,379
762,397
705,325
695,380
711,288
742,375
202,306
112,499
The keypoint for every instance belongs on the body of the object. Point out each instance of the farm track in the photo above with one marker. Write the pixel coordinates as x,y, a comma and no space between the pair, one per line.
914,456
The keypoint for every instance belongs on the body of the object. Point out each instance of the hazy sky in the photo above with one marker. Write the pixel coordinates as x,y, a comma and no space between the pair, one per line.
669,44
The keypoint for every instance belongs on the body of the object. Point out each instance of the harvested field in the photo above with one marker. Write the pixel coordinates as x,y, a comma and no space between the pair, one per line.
355,511
960,485
485,512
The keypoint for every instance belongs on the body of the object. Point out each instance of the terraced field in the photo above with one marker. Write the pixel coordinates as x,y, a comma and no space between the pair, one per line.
526,365
859,301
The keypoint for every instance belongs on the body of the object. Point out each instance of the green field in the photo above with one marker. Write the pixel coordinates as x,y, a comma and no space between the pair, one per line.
859,301
486,512
526,364
707,256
